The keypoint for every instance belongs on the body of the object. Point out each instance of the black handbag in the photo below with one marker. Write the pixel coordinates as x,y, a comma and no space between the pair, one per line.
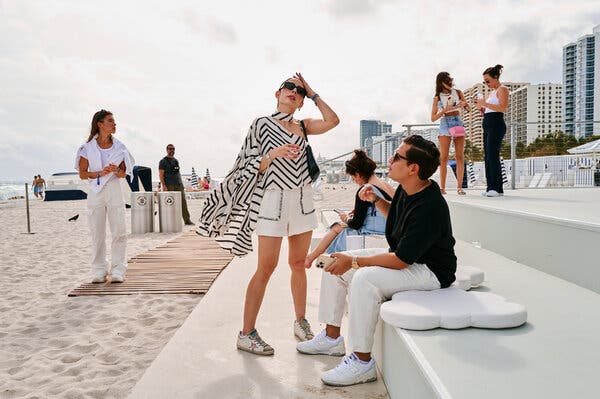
313,167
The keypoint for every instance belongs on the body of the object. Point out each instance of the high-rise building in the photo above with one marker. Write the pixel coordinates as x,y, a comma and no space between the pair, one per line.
581,62
430,134
370,129
472,119
568,101
383,147
535,103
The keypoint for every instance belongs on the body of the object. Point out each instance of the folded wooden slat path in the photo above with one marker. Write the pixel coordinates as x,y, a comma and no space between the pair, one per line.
187,264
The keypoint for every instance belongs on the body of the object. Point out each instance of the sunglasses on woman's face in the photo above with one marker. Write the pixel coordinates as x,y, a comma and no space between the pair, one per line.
291,86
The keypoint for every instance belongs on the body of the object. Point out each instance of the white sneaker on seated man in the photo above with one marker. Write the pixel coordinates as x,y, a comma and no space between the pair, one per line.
421,257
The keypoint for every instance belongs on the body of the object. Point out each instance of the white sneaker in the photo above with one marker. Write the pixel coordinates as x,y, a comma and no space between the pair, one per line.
322,345
253,343
492,193
302,330
99,278
350,371
117,278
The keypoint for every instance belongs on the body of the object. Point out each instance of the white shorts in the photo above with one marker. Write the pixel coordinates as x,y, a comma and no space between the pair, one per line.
286,212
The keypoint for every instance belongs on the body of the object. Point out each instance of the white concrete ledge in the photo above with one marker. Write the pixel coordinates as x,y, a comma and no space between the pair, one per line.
564,248
553,356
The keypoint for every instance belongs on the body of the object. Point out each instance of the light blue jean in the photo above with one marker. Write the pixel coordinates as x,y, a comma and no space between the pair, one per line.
447,122
374,224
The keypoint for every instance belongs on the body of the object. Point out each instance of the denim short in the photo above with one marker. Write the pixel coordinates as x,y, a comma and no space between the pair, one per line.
447,122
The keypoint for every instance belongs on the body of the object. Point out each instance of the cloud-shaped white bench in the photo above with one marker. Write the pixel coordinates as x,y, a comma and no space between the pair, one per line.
468,277
451,308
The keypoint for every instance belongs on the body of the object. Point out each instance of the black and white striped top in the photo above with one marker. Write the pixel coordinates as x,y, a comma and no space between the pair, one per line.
231,212
282,173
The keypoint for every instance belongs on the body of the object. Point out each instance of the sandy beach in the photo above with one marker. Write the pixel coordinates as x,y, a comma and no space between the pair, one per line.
80,347
73,347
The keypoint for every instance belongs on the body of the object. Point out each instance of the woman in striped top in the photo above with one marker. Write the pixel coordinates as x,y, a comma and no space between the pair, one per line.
286,205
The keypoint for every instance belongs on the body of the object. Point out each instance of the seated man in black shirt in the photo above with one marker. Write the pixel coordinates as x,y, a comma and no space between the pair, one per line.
420,257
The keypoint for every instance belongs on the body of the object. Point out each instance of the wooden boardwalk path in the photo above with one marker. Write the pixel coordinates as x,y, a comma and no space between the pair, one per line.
188,264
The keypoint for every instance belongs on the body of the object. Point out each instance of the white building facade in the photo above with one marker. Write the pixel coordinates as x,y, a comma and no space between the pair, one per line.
541,103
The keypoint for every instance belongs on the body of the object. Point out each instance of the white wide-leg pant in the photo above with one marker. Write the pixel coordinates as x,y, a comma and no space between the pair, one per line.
108,203
367,289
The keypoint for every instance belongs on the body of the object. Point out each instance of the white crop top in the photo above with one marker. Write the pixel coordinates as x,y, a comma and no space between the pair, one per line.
451,98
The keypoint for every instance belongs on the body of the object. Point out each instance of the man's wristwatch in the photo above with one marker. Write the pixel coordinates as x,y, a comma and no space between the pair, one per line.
314,98
355,264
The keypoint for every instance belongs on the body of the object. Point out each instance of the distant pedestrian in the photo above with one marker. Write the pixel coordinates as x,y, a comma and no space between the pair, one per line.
103,160
34,186
170,177
494,129
447,104
41,185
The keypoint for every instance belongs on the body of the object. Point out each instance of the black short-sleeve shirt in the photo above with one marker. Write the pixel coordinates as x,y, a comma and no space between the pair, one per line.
171,168
418,230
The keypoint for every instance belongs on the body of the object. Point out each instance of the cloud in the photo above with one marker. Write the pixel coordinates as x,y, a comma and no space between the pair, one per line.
211,27
356,8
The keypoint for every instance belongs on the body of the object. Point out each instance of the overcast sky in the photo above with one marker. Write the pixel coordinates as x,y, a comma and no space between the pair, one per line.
196,74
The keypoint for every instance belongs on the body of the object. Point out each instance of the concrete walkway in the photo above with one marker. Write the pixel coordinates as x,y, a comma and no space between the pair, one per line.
201,360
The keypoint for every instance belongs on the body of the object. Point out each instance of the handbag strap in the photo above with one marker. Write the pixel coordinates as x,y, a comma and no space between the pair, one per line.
303,130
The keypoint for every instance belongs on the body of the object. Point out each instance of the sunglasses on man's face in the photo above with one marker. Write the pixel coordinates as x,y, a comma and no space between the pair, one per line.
171,149
398,157
487,82
291,86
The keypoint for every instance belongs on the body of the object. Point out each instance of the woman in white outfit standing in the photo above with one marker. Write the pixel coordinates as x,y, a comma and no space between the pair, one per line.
103,160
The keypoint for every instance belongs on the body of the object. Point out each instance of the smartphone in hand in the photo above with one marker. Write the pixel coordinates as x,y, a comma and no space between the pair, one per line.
324,261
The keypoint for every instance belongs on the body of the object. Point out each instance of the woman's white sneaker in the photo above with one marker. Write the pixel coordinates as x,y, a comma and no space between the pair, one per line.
322,345
350,371
253,343
302,330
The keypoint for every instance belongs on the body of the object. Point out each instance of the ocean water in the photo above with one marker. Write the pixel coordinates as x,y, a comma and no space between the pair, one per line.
13,190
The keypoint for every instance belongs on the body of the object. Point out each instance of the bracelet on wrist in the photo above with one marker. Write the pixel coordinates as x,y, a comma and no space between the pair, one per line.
314,98
375,200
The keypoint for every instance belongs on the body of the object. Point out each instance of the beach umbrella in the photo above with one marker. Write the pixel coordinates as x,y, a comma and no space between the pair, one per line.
471,173
207,175
194,179
504,175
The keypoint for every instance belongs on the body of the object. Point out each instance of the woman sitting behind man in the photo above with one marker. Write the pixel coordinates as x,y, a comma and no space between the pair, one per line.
364,219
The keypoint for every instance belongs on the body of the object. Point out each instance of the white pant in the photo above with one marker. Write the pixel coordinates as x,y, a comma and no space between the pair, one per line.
368,288
108,202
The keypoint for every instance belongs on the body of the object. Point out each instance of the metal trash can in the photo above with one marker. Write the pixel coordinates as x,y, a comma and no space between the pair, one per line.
169,212
142,212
